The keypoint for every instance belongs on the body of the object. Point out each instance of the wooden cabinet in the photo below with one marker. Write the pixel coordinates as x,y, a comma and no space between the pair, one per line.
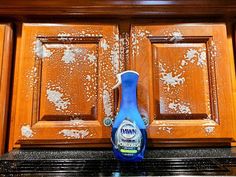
65,72
64,78
185,85
5,65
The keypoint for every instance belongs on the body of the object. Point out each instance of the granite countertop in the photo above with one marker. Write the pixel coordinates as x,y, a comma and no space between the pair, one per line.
101,162
29,154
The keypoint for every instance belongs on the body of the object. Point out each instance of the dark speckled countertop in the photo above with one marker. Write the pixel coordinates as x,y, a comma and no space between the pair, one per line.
101,162
29,154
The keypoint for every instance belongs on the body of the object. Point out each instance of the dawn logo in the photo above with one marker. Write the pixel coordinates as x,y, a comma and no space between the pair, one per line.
128,138
128,131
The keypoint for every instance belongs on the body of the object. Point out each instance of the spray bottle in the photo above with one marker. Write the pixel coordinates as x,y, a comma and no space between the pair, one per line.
129,131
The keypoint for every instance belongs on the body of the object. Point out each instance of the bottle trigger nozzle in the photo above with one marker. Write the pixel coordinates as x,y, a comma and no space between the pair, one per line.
119,81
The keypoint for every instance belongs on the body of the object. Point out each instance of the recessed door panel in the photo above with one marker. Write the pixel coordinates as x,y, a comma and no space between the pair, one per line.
180,81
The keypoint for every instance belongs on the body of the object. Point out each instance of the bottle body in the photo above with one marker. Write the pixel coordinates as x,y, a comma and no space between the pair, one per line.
128,152
129,131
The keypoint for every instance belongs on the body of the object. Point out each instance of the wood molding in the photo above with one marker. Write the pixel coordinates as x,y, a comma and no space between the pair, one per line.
118,7
104,143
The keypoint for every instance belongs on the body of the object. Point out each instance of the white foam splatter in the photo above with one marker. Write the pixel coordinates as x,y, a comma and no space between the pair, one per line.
115,55
77,134
63,36
107,103
88,77
192,55
201,59
209,127
124,50
169,79
40,50
92,57
69,56
104,44
32,76
209,130
165,127
208,116
212,49
90,86
134,42
184,63
182,108
57,46
138,36
173,106
26,131
116,37
76,121
77,50
176,36
55,97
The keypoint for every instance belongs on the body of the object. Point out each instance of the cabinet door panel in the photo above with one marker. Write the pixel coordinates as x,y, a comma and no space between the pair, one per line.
80,89
175,96
66,73
184,86
5,66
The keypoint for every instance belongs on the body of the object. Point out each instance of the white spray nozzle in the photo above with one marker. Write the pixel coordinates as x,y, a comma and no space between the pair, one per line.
119,81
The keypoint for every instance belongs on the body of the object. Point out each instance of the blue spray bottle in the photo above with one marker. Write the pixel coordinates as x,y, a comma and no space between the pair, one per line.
129,131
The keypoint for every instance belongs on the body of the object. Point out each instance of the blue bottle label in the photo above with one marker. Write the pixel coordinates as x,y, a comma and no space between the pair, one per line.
128,138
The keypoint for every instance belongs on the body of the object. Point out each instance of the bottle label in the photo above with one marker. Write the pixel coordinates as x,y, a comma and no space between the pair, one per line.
128,138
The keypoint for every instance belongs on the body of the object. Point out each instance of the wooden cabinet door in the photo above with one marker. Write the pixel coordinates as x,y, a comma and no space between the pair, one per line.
64,79
5,63
184,85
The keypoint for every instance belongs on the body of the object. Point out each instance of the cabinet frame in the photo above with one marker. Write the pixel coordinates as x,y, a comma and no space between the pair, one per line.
5,74
152,142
